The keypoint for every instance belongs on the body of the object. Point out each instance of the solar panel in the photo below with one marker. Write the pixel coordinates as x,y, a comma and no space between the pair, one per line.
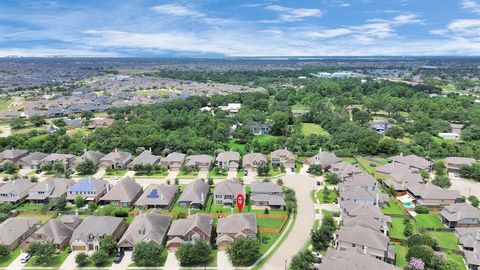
153,194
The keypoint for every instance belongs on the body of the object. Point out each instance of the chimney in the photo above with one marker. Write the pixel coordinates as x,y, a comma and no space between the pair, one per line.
365,250
320,150
84,150
385,230
162,197
47,187
108,187
377,199
203,196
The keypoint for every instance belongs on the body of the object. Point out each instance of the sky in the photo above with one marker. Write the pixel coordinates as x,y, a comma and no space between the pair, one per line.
232,28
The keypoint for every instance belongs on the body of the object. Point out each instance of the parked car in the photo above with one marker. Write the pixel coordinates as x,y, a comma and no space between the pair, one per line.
118,257
319,183
25,257
318,257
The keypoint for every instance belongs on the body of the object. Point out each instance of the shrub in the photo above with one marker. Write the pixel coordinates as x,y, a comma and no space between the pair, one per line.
424,253
81,259
147,254
99,257
244,251
420,209
422,240
191,254
121,213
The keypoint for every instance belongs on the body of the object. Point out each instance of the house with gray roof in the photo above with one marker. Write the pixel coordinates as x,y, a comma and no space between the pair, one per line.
90,189
173,161
266,195
15,191
12,155
324,159
394,167
147,227
283,157
66,159
344,169
188,230
93,156
365,215
413,161
71,221
124,193
362,189
194,195
432,195
352,260
32,161
198,162
460,215
145,158
54,231
366,240
51,188
226,192
14,231
115,160
157,196
235,226
363,180
87,236
469,240
228,160
252,161
453,164
401,180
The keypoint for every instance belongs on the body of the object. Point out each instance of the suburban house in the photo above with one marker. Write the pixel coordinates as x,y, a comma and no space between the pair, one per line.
394,167
252,161
199,162
71,221
460,215
381,126
453,164
15,191
14,231
283,157
147,227
87,236
98,123
469,241
434,196
157,196
54,231
266,195
90,189
51,188
187,230
369,241
229,160
235,226
123,194
344,169
260,129
66,159
361,189
365,215
173,161
226,192
195,195
352,260
413,161
231,107
12,155
115,160
401,180
32,161
324,159
93,156
145,158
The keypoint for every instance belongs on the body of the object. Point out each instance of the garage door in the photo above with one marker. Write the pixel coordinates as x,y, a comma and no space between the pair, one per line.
79,248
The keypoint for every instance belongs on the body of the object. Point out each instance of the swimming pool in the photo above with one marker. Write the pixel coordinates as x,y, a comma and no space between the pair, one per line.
408,204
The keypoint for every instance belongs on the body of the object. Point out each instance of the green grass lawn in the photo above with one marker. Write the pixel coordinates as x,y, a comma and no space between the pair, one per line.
299,107
429,221
457,258
158,175
240,174
30,207
332,197
271,211
446,239
269,222
393,209
43,218
218,208
265,139
217,175
396,230
267,240
7,260
118,173
350,160
56,260
311,129
233,145
191,174
401,254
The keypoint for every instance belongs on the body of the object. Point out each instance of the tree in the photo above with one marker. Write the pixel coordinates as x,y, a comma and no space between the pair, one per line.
108,244
473,200
440,168
4,251
42,251
9,167
424,253
422,240
17,123
37,121
408,230
425,175
244,251
263,170
147,254
60,122
99,257
191,254
92,206
332,178
87,115
58,204
304,260
362,117
321,238
81,259
243,134
315,169
86,167
471,133
442,181
79,201
280,123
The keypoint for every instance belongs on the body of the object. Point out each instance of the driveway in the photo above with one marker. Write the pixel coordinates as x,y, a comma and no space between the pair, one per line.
223,262
202,175
130,174
464,186
300,233
69,262
231,174
99,174
127,260
172,175
16,264
172,263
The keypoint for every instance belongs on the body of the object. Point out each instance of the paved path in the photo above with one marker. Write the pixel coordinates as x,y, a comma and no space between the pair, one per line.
16,264
231,174
69,262
172,263
464,186
223,262
300,233
172,175
202,175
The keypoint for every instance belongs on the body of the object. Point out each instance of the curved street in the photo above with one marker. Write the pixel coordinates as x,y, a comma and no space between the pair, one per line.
300,233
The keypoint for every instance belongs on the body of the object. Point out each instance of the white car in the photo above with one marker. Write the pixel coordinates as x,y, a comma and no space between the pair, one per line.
25,257
318,257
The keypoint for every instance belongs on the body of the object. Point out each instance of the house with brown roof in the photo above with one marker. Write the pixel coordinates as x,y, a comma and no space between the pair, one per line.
401,180
352,260
413,162
15,191
93,156
394,167
235,226
453,164
15,230
147,227
266,195
252,161
66,159
228,160
361,189
198,162
187,230
324,159
54,231
51,188
123,194
226,192
283,157
344,169
145,158
12,155
173,161
194,195
32,161
157,196
90,189
115,160
460,215
432,195
87,236
468,239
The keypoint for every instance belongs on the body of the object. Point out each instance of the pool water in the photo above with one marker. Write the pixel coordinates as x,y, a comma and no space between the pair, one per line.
408,204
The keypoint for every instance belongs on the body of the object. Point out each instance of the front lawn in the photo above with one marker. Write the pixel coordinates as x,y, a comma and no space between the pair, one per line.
117,173
446,240
332,196
400,256
269,222
30,207
429,221
396,230
56,260
217,174
393,208
190,174
163,259
156,175
267,240
7,260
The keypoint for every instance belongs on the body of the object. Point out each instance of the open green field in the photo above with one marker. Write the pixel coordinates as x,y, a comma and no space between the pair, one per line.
396,231
446,240
429,221
393,209
311,129
233,145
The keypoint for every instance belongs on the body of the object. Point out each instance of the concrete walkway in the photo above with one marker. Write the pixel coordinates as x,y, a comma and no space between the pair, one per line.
16,264
127,260
223,262
69,262
172,262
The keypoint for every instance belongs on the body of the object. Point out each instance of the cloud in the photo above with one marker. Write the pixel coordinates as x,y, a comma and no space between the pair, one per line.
407,19
471,6
329,33
177,10
288,14
460,28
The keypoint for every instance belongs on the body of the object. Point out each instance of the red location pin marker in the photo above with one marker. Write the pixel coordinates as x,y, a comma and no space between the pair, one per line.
240,202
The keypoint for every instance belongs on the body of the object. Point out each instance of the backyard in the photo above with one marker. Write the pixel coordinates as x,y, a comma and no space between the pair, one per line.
313,129
401,253
393,208
446,240
429,221
397,228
